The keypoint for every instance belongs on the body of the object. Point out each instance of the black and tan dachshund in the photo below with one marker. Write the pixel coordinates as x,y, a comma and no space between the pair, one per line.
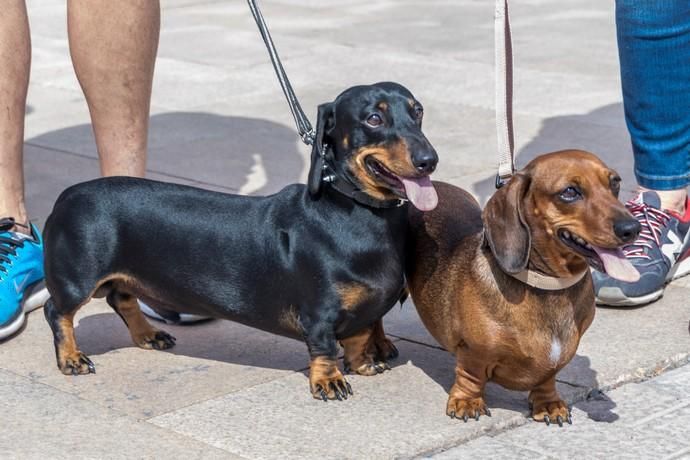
321,262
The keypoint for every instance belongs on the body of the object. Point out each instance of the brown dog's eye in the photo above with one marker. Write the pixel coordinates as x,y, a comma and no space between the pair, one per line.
418,112
570,194
374,120
616,185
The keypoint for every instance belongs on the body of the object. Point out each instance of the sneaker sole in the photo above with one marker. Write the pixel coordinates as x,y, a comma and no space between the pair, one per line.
13,327
37,295
678,271
185,318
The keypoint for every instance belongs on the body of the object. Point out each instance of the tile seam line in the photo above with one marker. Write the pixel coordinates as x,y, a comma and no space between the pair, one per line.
628,380
221,395
88,157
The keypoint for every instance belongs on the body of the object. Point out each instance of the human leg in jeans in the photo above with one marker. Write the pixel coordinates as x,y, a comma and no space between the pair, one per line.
654,52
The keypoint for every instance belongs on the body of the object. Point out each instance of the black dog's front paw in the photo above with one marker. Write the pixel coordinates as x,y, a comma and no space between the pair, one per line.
77,364
326,381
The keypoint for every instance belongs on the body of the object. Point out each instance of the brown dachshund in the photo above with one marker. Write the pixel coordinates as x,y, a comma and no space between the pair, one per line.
509,291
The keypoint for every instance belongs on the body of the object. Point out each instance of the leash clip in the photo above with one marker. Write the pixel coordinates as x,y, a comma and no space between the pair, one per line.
501,181
308,137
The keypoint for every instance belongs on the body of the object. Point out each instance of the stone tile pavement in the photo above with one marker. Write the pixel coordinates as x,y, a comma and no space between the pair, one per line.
219,121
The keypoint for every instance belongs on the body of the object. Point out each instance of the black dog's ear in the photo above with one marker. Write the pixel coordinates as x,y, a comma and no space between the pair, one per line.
325,121
504,225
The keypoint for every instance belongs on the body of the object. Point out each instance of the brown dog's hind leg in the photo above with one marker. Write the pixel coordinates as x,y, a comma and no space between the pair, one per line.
547,405
143,334
466,398
362,354
385,349
70,360
326,381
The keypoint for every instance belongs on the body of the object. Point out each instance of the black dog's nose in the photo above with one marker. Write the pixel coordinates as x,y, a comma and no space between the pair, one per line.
626,229
425,162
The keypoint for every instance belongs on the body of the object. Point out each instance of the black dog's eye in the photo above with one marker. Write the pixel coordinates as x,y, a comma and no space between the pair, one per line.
570,194
374,120
418,112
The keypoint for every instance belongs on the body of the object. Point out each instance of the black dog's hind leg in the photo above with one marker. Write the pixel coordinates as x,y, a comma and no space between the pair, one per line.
143,334
325,379
70,360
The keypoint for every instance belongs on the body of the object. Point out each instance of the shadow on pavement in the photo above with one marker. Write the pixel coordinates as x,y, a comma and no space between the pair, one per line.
601,131
219,340
226,153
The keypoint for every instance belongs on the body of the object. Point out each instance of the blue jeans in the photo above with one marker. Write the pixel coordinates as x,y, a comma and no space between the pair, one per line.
654,53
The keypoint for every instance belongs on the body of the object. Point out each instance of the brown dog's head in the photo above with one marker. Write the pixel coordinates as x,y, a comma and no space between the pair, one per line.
560,213
372,136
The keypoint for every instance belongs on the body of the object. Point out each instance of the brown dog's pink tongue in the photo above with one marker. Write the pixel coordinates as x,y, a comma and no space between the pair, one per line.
617,265
421,192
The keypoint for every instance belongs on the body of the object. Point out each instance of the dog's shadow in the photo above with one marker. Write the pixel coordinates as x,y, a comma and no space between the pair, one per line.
585,395
215,340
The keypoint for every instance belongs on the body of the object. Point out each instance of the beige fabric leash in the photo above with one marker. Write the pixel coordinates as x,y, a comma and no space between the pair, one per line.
503,45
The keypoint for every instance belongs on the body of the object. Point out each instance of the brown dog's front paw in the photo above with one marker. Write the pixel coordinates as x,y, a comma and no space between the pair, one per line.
76,364
466,408
326,381
369,369
552,412
159,340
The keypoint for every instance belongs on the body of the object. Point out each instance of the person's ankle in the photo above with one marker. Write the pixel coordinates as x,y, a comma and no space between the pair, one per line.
21,226
672,200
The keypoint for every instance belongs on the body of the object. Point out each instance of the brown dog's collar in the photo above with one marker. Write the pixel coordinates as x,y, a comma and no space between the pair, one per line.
548,283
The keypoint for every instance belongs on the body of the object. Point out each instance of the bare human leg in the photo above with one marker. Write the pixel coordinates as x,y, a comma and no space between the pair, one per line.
113,47
15,62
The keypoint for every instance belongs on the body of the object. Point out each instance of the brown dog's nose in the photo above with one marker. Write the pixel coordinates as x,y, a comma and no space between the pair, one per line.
626,229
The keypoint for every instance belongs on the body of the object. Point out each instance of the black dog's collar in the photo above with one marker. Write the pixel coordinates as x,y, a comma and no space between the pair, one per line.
348,189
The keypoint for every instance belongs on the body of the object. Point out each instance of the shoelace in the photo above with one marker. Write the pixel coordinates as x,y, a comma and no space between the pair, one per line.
8,247
652,221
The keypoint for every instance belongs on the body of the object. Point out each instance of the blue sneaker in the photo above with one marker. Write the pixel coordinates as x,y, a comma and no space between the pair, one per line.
661,253
21,276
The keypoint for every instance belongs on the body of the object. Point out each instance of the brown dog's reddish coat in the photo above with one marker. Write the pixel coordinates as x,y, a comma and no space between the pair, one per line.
499,328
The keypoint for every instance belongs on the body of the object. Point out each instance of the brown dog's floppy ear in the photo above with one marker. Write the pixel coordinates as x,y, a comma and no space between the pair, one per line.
325,120
504,225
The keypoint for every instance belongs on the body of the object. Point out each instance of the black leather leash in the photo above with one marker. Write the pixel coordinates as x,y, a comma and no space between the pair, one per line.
304,128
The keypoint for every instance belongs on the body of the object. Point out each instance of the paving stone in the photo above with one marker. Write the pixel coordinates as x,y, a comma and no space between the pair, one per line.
633,421
629,343
675,382
209,360
490,447
395,414
43,422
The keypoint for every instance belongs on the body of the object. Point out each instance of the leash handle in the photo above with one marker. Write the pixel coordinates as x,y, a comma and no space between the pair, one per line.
503,45
304,128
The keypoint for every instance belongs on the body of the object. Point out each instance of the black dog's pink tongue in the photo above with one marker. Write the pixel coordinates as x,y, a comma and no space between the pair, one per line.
420,192
617,265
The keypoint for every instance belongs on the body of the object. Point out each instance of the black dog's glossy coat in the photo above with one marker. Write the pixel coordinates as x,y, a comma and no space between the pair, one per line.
247,259
254,260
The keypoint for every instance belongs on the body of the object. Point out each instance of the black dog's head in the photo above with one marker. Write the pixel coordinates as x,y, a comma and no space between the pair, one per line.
373,135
